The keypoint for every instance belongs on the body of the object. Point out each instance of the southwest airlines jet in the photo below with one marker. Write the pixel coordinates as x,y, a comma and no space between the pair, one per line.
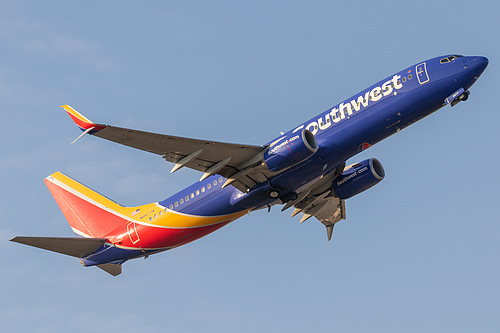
304,168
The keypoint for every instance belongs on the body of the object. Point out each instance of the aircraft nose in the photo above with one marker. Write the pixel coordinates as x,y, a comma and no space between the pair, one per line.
479,64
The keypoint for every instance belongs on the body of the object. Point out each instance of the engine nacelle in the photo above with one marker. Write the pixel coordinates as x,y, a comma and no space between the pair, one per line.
291,150
358,177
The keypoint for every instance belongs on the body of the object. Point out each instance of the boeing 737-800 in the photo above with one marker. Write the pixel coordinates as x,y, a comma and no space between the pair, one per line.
304,168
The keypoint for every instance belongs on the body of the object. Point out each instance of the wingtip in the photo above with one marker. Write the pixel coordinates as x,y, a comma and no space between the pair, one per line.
80,120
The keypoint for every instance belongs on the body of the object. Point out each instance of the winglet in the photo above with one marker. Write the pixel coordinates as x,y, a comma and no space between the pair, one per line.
81,121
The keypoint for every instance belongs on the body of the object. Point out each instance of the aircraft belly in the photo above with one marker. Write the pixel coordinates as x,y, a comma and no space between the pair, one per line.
152,240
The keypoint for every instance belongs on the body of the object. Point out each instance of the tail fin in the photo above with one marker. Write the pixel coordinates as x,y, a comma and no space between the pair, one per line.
89,213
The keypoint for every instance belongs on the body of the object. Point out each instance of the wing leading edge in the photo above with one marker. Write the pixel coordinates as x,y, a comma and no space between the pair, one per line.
240,164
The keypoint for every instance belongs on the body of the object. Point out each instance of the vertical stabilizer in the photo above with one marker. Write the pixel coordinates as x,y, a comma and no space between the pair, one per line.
89,213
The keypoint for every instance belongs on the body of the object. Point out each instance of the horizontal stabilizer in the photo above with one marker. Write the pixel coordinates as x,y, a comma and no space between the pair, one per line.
71,246
113,269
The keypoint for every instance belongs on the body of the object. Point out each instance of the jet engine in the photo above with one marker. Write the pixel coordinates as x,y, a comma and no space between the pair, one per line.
358,177
290,150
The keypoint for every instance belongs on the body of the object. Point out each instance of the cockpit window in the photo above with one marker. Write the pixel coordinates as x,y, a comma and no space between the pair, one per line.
450,58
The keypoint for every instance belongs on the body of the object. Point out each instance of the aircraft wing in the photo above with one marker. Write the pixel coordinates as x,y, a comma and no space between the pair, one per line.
320,201
209,157
325,207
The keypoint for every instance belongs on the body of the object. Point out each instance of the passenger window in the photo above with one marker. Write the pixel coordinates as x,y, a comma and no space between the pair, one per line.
181,201
409,77
171,207
197,192
220,180
404,79
202,189
215,183
209,186
176,204
192,195
187,198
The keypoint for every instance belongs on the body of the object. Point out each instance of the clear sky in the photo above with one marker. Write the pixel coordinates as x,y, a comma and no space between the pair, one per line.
418,252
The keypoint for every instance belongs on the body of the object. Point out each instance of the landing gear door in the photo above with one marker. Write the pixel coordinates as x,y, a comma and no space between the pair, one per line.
422,75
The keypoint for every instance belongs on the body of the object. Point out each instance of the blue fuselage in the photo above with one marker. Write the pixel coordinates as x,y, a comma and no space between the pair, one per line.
345,130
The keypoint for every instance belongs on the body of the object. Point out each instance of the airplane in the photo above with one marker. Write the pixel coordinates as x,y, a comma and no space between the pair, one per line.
304,168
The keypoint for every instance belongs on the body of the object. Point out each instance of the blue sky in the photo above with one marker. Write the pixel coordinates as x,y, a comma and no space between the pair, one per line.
418,252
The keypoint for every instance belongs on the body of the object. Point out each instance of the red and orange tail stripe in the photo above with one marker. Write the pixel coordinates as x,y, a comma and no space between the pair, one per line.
91,214
81,121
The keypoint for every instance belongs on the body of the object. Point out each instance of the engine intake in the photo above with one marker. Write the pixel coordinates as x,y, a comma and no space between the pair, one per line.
291,150
358,177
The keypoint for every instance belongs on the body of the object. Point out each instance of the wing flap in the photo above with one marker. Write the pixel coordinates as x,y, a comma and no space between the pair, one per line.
180,151
327,209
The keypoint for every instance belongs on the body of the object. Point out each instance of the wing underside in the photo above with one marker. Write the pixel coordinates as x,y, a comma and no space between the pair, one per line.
209,157
320,201
240,164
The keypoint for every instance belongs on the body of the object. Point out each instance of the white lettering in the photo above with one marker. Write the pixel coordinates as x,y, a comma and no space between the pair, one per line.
362,100
322,125
397,82
375,94
281,145
298,128
337,114
387,88
346,107
352,175
314,126
335,119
